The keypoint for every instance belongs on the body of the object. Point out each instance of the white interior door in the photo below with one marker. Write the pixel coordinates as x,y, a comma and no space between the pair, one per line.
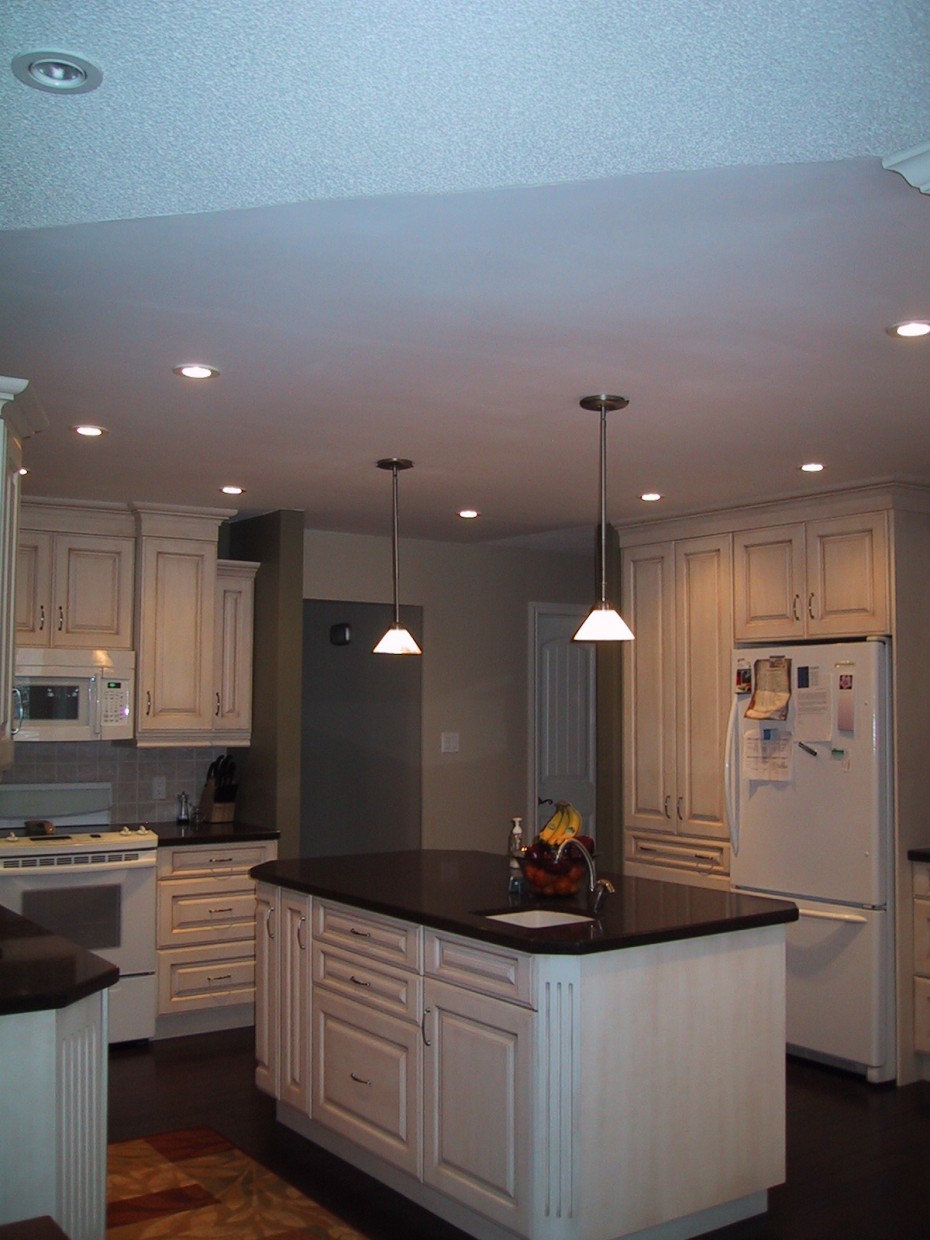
562,716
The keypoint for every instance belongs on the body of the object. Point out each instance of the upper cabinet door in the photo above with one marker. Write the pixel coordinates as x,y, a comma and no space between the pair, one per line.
826,578
74,591
847,576
769,595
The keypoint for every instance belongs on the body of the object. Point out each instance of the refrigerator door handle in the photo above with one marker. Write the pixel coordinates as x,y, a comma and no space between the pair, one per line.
731,776
855,918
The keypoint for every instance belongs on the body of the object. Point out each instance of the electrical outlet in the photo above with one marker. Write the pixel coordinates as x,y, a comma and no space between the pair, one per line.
159,787
448,742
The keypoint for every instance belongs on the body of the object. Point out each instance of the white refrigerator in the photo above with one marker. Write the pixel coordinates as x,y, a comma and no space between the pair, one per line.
809,807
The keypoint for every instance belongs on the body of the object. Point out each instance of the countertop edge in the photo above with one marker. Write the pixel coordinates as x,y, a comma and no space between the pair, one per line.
93,973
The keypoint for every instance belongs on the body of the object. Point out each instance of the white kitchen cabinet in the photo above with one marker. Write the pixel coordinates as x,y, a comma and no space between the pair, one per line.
206,935
232,652
676,598
812,579
267,989
20,417
283,1002
477,1154
921,875
73,590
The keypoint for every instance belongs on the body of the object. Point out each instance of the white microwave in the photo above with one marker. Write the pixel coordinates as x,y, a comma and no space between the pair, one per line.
73,695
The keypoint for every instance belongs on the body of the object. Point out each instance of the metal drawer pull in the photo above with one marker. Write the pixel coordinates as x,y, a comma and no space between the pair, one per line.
301,938
853,918
360,934
220,910
358,981
426,1041
679,856
221,860
361,1080
223,977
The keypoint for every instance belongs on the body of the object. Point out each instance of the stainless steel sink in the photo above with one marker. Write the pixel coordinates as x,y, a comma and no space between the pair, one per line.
538,918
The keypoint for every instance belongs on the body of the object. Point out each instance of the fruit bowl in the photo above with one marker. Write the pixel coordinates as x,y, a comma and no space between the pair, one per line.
547,877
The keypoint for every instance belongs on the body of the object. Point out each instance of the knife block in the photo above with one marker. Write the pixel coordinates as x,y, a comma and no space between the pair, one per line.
215,811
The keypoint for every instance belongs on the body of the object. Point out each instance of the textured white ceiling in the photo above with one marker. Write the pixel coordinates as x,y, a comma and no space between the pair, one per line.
461,219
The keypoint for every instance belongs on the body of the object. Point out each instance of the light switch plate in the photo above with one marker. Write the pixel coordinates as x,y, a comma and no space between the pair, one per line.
449,742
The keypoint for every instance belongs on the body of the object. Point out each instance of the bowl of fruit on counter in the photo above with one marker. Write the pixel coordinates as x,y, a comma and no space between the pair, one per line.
547,876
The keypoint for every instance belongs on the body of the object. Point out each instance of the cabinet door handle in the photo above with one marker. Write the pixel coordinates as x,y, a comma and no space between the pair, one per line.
41,617
360,934
217,711
426,1041
810,607
148,701
17,721
359,981
301,938
666,805
269,926
796,607
361,1080
61,618
678,808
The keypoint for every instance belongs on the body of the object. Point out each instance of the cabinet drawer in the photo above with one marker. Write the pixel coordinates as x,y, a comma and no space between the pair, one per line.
205,911
192,860
376,937
366,1075
709,859
485,968
922,1014
384,987
190,978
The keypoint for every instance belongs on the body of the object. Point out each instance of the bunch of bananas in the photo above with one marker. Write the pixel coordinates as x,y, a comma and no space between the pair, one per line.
564,824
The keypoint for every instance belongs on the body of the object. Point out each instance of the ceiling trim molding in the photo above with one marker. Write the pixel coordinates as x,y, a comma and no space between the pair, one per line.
913,164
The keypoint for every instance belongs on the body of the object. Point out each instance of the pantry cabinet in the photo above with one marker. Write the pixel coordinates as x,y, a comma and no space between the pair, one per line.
73,591
676,598
816,579
232,652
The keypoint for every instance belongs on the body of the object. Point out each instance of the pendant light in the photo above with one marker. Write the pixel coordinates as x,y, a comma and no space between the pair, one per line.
603,623
397,640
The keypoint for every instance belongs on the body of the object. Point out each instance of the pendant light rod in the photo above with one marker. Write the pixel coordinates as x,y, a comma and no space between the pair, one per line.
397,640
603,623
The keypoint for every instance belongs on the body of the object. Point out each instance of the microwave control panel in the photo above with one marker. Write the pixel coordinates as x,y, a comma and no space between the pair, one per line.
115,704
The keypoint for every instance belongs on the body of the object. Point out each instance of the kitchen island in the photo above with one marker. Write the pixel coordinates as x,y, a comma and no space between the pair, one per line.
607,1077
53,1103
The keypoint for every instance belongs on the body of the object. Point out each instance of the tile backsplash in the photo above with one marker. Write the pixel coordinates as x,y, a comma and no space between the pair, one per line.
133,773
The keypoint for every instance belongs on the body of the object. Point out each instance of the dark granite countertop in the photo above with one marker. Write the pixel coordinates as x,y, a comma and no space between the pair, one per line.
211,833
40,970
450,890
918,854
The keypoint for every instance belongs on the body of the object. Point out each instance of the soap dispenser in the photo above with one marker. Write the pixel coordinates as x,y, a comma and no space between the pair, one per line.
515,851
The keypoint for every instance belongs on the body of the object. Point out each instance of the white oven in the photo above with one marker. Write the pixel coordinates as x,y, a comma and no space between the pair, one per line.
89,882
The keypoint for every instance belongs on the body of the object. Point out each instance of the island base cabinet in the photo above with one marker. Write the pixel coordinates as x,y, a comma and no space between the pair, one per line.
282,995
366,1073
477,1083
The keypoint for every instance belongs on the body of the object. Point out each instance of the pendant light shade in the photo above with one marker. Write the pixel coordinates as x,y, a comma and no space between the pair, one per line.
603,623
397,640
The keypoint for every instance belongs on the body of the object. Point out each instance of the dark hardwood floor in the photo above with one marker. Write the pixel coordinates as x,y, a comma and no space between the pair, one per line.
858,1154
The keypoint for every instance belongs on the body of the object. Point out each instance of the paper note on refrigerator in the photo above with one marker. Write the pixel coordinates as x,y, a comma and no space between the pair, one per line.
767,754
771,691
813,717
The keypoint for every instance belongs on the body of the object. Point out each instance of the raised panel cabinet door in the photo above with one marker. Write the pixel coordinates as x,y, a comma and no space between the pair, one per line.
477,1102
232,652
769,595
847,576
702,676
175,656
294,1026
92,585
649,779
33,588
266,989
10,459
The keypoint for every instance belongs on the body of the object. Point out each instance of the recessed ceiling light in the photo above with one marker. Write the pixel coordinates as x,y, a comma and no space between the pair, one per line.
23,471
910,329
469,514
90,432
62,73
196,370
650,496
230,489
812,467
